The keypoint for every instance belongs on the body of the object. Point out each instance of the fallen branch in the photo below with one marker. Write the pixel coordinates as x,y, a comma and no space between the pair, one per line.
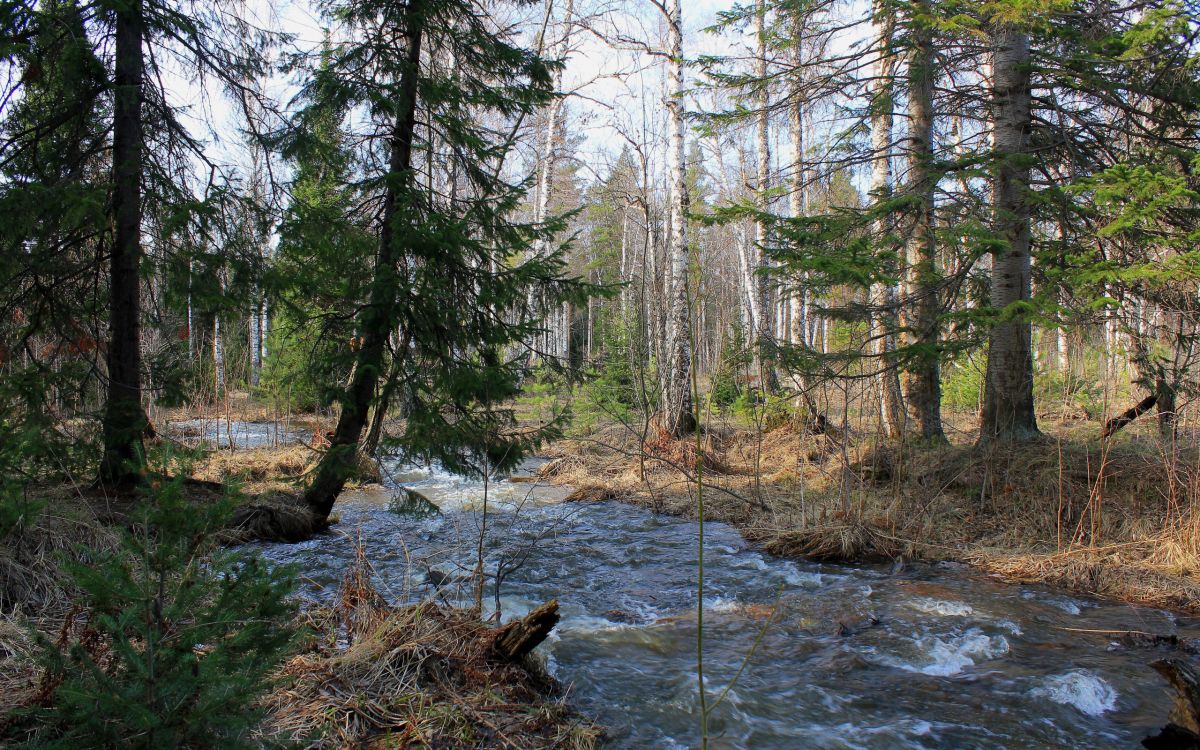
515,640
1127,416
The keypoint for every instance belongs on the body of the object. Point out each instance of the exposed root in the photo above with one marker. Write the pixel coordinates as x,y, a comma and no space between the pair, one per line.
274,519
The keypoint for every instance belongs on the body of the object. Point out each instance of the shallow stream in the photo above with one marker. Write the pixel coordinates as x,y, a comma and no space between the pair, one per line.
854,657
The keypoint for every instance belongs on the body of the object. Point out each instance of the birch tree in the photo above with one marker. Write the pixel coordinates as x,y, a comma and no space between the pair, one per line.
883,293
676,408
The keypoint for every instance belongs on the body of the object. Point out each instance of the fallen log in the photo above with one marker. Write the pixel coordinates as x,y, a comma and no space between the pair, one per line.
1183,731
518,638
1128,416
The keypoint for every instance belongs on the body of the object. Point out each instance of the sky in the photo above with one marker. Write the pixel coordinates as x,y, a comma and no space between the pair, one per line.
611,91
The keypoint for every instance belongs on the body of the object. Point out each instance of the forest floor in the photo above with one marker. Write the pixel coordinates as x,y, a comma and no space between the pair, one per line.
367,674
1119,521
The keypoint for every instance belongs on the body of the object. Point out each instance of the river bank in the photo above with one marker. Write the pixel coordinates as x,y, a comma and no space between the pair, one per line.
1040,668
805,653
1110,521
368,670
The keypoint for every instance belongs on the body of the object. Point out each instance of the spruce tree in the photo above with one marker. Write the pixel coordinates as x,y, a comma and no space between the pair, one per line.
454,289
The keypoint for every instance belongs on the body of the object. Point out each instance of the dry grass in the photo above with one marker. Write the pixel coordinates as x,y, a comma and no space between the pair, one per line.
415,676
72,523
1119,521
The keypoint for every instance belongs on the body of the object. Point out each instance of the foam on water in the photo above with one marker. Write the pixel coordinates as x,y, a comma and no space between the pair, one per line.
1081,689
943,608
946,657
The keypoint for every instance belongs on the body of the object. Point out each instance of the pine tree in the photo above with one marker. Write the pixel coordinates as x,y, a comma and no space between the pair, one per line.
923,393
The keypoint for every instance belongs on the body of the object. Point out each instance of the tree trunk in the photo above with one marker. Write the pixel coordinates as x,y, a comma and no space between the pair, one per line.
1128,416
264,328
677,418
923,390
218,357
374,322
255,336
883,295
1008,409
762,288
125,419
370,444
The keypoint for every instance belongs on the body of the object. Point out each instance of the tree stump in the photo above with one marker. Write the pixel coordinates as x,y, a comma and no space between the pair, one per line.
518,638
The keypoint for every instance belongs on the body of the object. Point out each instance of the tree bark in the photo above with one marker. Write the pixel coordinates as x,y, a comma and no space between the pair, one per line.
1128,416
518,638
762,283
923,390
676,417
883,295
125,420
375,322
1008,408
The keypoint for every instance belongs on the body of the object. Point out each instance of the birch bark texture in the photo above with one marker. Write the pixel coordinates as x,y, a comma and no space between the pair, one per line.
676,416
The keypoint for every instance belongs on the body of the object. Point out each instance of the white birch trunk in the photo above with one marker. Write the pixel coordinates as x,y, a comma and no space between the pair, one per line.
762,288
677,402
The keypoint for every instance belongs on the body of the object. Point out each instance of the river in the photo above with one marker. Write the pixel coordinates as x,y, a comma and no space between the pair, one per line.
855,656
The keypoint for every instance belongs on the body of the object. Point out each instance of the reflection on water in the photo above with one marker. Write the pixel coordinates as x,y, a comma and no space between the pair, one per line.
854,657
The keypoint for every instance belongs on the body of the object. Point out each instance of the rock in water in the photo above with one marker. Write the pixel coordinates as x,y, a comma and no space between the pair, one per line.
1183,733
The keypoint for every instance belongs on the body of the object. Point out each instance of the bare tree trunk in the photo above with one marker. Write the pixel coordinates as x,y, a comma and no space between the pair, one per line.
677,418
255,342
923,390
218,357
125,419
1008,409
883,295
762,289
264,328
375,324
193,343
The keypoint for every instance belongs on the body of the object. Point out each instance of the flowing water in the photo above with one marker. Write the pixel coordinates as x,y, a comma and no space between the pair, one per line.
853,657
233,433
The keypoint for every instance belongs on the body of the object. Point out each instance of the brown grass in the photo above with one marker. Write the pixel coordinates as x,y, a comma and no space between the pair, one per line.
416,676
1120,522
71,524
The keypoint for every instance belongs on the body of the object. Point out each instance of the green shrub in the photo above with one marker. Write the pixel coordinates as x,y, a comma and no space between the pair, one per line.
179,641
962,381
